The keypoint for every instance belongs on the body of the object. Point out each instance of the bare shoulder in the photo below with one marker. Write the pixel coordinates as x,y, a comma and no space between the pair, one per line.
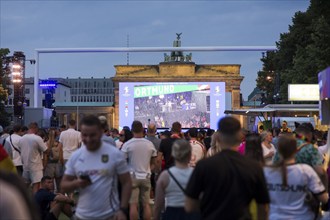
163,179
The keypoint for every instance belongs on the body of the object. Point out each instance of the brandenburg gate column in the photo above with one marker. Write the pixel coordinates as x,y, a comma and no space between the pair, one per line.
236,97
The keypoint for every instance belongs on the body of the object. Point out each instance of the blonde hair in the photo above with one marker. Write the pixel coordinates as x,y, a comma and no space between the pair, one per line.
215,144
51,138
264,134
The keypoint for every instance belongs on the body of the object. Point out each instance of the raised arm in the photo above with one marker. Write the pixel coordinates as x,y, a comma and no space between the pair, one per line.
42,147
70,183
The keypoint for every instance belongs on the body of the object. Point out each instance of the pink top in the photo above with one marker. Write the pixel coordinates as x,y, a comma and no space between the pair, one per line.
241,148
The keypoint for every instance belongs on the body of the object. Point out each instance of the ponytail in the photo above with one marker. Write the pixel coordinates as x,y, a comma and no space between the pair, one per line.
284,172
287,147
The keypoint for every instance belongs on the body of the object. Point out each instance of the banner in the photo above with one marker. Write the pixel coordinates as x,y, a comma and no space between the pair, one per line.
156,90
303,92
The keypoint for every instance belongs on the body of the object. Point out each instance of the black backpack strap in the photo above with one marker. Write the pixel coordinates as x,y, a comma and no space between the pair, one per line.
175,180
14,145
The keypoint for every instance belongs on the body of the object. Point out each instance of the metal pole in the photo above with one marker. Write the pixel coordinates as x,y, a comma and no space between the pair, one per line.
36,82
156,49
77,122
23,92
137,49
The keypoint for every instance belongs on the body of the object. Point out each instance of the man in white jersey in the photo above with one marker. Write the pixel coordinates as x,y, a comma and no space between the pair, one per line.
32,146
70,140
140,153
197,148
94,169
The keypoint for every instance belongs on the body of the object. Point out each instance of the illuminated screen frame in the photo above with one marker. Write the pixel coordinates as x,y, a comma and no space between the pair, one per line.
126,98
303,92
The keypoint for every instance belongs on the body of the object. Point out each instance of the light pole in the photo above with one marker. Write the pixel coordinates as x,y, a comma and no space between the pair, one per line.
18,79
18,75
277,87
78,96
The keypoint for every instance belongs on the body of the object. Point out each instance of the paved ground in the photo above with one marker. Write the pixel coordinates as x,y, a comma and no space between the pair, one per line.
64,217
326,216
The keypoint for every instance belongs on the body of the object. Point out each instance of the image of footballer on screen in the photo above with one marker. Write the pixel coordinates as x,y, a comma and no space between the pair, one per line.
164,104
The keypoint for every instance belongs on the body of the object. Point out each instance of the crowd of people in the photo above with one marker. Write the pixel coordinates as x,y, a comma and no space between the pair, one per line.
95,172
172,107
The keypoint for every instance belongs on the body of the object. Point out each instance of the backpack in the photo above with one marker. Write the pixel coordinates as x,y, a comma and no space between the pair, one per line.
54,153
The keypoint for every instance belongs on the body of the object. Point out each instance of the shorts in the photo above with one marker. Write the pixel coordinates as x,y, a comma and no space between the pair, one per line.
140,189
75,217
32,176
54,170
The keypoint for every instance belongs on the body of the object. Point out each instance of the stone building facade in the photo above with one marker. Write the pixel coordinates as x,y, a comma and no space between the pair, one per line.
88,96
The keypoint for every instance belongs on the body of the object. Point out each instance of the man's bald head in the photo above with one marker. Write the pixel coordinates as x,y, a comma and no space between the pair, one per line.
152,129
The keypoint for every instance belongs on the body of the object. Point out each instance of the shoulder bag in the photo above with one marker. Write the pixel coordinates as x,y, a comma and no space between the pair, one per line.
11,142
175,180
312,202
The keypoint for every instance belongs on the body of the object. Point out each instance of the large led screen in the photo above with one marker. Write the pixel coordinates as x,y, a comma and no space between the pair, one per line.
193,104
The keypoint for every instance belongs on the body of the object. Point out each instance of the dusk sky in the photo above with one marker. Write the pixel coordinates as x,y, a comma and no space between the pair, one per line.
28,25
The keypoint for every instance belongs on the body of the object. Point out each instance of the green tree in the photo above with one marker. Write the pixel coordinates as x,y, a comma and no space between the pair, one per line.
305,50
4,82
266,77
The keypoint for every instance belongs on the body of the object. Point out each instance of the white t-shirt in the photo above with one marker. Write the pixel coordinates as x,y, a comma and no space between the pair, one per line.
100,199
266,150
197,152
118,144
288,202
17,160
139,152
70,140
32,146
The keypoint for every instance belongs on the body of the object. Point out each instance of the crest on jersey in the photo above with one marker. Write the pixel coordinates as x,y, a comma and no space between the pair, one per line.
105,158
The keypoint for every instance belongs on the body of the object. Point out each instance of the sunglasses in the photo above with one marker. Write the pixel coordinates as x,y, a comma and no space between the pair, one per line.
121,135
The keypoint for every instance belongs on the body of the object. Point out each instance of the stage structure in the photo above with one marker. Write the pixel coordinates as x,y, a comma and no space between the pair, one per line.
175,90
177,67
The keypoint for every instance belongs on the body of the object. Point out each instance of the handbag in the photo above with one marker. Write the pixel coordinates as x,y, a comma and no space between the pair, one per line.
14,145
312,202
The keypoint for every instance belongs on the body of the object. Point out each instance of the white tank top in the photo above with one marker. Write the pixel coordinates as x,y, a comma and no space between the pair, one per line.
174,196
